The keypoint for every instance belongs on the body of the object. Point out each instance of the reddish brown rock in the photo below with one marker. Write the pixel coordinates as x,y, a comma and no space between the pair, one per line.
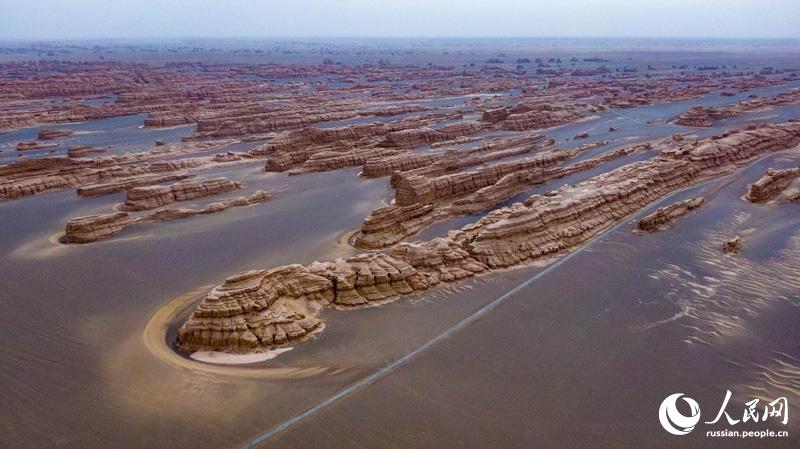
27,146
663,217
733,245
771,185
545,225
96,227
51,134
152,197
83,151
121,185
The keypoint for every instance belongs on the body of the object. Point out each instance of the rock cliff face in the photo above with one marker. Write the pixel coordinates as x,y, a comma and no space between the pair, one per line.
389,225
771,185
122,185
230,317
32,176
410,138
96,227
92,228
36,145
663,217
152,197
51,134
540,119
415,187
83,151
444,161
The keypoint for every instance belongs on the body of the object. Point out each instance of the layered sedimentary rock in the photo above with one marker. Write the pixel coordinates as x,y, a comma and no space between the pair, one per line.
443,161
96,227
410,138
122,185
389,225
51,134
326,161
771,185
540,119
544,225
32,176
704,117
152,197
83,151
663,217
294,148
27,146
92,228
426,187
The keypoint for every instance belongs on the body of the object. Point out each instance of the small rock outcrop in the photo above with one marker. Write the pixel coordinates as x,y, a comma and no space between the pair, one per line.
771,184
92,228
733,245
663,217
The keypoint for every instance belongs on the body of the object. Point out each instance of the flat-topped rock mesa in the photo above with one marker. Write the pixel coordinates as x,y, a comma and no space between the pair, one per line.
533,115
83,151
771,185
92,228
52,134
293,148
32,176
411,138
391,224
427,185
542,226
121,185
332,160
36,145
514,183
663,217
705,117
442,159
155,196
254,118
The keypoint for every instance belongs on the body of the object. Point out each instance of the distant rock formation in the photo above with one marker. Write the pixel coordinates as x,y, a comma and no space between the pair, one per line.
51,134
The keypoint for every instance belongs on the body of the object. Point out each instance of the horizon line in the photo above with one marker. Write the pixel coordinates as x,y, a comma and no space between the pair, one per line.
376,37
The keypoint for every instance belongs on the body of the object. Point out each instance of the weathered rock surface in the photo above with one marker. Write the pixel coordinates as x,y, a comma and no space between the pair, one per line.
122,185
771,185
733,245
36,145
704,117
545,225
83,150
51,134
663,217
152,197
410,138
96,227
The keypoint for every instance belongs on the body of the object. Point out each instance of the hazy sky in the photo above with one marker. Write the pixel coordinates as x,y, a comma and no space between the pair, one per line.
46,19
